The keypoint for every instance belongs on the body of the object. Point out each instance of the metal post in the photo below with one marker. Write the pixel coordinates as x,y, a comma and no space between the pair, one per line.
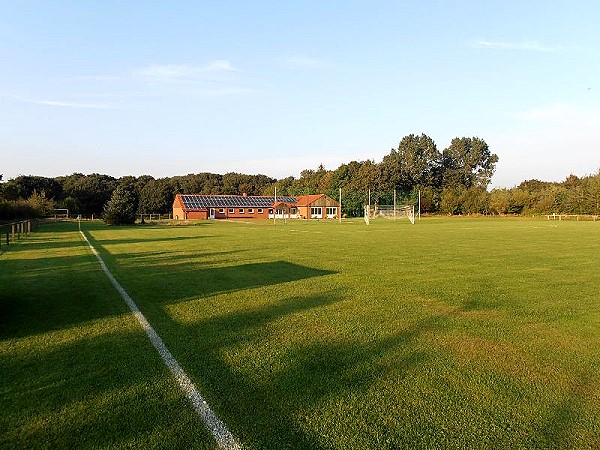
419,204
394,204
340,210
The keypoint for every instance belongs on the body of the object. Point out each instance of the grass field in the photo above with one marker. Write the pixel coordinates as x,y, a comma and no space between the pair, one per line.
453,333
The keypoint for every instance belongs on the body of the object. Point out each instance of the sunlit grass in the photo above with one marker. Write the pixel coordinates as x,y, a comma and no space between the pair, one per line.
473,333
76,370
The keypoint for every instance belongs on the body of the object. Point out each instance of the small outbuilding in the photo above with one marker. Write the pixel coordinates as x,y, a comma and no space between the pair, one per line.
317,206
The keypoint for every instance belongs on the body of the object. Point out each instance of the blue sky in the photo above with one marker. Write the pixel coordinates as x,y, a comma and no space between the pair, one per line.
170,88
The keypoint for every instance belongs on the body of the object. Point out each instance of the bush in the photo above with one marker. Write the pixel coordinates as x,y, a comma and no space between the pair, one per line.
122,206
17,209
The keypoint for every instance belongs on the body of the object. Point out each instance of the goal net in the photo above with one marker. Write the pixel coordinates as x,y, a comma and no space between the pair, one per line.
390,212
61,213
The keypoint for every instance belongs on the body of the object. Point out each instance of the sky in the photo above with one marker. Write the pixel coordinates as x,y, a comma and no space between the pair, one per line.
175,87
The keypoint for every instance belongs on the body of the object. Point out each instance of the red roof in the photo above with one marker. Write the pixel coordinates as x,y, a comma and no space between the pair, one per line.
305,200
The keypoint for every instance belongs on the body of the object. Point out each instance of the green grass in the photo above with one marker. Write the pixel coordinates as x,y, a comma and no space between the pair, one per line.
455,332
76,370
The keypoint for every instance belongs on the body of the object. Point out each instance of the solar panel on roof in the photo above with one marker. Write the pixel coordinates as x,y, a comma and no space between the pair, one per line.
231,201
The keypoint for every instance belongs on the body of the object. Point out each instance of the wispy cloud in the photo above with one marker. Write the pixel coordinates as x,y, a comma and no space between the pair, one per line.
112,91
179,72
306,62
66,104
165,72
530,46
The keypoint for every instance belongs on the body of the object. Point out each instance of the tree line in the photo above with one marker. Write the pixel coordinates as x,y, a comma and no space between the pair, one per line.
452,181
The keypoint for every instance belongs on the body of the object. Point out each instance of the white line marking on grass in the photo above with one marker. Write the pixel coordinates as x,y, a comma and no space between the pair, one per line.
224,438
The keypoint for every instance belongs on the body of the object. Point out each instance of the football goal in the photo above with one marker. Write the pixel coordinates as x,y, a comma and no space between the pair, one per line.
391,212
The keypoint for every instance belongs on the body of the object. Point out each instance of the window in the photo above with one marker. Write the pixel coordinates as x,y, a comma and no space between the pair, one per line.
260,210
292,210
231,210
331,211
270,211
241,210
250,210
316,211
221,210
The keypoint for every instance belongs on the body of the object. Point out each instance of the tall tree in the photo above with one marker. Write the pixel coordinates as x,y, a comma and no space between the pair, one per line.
90,191
468,162
157,197
592,192
416,162
311,181
25,185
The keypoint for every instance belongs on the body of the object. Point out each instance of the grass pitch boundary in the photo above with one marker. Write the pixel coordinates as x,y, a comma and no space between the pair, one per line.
217,428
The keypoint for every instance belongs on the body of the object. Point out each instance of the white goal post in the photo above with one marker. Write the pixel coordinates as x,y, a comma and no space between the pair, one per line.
61,213
390,212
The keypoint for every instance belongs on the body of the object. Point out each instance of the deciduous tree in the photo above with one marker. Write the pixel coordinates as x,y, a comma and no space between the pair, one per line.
468,162
416,163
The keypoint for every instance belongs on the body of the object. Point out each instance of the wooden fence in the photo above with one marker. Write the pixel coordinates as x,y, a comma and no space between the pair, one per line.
14,231
153,217
572,217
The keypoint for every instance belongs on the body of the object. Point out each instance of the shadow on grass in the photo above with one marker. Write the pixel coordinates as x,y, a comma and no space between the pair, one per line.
39,295
44,235
57,243
104,391
152,240
187,281
557,428
173,278
268,413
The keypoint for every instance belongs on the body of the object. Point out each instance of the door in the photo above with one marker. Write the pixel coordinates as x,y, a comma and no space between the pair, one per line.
211,214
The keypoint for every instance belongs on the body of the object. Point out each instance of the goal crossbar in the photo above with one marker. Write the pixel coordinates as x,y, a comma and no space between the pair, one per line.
390,212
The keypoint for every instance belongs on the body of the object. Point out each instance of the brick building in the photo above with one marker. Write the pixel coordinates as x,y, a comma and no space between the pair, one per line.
194,206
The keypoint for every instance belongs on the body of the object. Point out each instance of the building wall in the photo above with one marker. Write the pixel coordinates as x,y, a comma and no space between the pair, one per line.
239,214
178,213
304,212
323,202
201,214
222,213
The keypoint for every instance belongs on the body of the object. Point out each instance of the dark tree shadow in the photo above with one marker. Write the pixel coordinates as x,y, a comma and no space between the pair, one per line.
174,278
37,295
102,391
558,429
264,415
